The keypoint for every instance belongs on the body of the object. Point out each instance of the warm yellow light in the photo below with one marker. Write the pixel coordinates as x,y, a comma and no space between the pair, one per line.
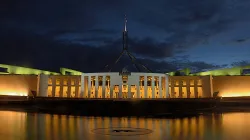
14,93
235,94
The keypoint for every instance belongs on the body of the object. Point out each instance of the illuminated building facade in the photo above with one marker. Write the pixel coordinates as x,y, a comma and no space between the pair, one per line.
105,85
73,84
190,86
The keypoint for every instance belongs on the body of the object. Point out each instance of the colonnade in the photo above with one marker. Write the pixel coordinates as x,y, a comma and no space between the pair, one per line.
117,86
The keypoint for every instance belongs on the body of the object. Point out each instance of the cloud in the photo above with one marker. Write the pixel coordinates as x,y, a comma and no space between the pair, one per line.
49,15
149,48
191,22
86,35
240,63
102,31
37,51
187,22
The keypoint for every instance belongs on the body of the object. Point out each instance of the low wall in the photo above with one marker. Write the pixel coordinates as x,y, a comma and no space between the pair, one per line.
120,107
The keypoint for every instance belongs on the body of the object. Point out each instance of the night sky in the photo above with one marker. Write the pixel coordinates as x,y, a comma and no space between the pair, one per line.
86,35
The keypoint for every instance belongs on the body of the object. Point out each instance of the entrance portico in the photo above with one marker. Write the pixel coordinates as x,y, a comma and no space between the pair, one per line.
124,85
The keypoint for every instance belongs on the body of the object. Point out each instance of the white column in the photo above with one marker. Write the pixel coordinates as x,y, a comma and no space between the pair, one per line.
160,86
153,86
77,84
138,88
111,87
145,87
96,87
111,90
42,87
120,87
129,91
103,86
89,86
53,85
211,85
82,86
166,86
120,90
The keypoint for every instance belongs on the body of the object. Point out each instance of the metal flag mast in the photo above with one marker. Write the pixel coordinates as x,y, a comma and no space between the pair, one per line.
126,52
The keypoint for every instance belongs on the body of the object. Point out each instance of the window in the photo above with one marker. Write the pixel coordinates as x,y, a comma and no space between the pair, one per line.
149,83
50,81
49,91
57,81
176,83
5,70
191,82
67,73
199,82
65,81
184,82
100,83
73,82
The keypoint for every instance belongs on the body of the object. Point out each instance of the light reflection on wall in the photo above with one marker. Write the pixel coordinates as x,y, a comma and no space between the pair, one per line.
232,86
17,85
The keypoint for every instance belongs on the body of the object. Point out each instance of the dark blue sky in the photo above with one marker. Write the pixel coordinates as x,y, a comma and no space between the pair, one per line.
164,34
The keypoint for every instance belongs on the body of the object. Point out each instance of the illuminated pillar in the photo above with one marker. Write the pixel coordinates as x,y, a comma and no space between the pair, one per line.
89,86
111,86
145,87
180,88
42,85
108,87
69,87
207,86
211,85
120,90
96,86
173,94
163,87
153,86
137,86
82,86
160,86
195,88
188,89
103,86
82,90
129,94
166,86
53,85
61,88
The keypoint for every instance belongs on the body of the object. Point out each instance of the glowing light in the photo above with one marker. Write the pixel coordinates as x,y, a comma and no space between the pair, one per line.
235,94
24,70
72,72
14,93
